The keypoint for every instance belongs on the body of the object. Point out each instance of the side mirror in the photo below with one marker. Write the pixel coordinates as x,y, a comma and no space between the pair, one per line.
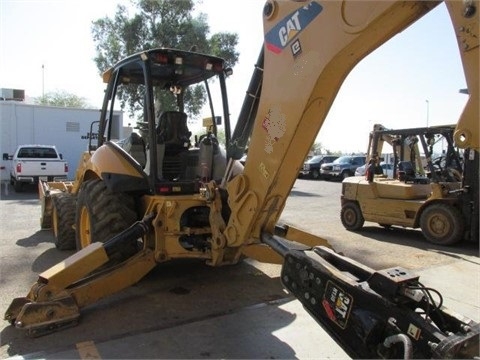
61,156
5,156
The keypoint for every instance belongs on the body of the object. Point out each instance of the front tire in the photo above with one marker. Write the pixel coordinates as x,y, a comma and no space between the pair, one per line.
442,224
315,174
63,219
351,216
101,214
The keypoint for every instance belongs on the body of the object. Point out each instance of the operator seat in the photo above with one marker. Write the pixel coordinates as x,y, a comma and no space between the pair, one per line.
406,173
407,168
173,142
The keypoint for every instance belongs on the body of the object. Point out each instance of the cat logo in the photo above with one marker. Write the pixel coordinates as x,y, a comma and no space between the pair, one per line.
290,30
291,26
337,304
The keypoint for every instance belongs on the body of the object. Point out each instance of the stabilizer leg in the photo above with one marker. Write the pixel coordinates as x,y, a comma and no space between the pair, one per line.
55,300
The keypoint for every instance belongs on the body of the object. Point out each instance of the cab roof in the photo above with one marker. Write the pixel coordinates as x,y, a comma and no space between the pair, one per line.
168,67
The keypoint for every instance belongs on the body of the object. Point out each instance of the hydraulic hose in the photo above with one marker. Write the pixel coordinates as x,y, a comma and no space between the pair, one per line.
134,232
407,344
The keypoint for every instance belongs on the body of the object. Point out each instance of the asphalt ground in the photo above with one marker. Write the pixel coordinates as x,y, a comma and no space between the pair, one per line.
185,309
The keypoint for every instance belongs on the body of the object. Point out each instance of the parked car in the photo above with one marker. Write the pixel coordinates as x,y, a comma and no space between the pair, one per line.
342,167
311,167
386,167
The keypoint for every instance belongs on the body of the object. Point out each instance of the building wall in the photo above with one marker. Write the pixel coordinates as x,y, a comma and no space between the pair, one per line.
66,128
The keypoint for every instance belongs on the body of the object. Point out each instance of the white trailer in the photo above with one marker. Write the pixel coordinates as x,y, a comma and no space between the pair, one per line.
66,128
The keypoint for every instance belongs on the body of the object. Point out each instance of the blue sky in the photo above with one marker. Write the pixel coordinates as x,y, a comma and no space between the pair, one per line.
417,72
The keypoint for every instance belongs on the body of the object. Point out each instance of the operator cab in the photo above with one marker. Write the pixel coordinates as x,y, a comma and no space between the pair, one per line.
160,81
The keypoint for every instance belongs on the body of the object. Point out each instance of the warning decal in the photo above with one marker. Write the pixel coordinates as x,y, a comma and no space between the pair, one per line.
337,304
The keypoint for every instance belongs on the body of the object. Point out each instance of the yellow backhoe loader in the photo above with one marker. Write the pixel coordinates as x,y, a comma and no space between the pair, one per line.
164,198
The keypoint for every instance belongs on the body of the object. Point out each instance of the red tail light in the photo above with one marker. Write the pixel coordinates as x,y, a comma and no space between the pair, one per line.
164,189
19,167
65,168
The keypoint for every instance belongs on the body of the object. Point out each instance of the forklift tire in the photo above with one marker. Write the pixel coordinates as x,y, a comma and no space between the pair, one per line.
101,214
351,216
63,219
442,224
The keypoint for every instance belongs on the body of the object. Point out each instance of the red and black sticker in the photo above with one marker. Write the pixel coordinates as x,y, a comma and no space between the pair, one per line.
337,304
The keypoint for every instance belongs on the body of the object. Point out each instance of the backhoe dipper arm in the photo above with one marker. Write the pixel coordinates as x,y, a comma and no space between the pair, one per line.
309,49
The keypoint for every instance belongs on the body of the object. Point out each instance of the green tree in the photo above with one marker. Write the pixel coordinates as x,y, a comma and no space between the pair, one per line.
62,99
316,148
159,23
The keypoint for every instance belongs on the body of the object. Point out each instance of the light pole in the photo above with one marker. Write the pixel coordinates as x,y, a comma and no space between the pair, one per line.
43,81
428,110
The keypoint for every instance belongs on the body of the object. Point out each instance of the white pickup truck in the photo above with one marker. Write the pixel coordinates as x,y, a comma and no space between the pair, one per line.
31,163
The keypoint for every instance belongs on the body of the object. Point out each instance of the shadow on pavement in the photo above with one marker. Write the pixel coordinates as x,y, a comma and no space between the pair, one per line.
176,293
415,238
41,236
49,258
303,193
28,192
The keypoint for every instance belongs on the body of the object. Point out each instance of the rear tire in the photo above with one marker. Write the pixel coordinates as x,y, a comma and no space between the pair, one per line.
63,219
351,216
315,174
101,214
17,186
442,224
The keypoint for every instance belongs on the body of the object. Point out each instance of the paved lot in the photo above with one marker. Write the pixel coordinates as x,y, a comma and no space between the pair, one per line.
185,309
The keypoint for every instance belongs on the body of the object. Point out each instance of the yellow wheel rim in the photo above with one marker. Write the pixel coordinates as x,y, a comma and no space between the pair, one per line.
85,228
55,222
439,225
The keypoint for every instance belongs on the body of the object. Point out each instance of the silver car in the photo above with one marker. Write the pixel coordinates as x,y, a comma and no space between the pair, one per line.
386,167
